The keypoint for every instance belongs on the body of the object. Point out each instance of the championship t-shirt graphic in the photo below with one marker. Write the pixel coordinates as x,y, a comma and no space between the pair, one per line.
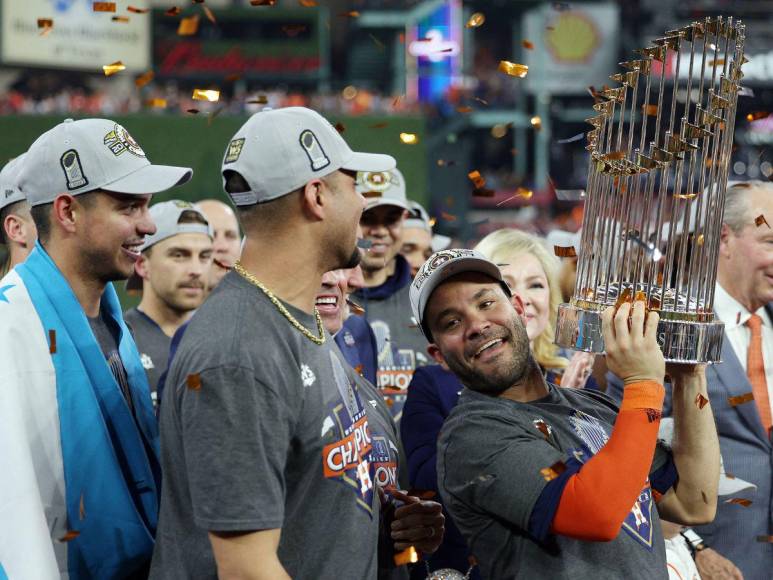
346,456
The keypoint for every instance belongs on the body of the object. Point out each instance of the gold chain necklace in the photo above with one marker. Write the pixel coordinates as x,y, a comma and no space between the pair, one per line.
279,306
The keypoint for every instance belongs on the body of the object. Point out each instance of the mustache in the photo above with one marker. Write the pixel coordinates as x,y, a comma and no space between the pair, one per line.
198,284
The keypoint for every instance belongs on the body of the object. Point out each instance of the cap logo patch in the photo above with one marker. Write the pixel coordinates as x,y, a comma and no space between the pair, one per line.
118,140
8,193
234,150
73,170
182,204
438,260
314,151
377,182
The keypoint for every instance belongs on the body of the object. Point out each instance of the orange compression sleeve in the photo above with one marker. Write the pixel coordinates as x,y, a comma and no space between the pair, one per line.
597,499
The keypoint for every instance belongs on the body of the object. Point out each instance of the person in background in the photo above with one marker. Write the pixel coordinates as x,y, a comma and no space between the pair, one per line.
530,272
17,228
418,240
173,274
567,274
401,347
227,243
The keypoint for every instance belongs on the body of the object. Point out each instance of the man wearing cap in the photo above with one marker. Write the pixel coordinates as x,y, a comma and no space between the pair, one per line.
550,482
227,244
267,449
401,347
80,444
17,230
418,240
173,274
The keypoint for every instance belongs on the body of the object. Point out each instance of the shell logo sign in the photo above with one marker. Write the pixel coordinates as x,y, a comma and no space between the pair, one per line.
572,37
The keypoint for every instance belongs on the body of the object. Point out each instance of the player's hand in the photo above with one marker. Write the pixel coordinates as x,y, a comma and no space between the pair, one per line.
713,566
418,523
578,370
630,338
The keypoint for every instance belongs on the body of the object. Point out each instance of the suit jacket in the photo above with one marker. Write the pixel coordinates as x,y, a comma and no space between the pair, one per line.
747,453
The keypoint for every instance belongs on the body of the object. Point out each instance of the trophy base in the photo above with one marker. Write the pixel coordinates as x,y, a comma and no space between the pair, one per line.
682,341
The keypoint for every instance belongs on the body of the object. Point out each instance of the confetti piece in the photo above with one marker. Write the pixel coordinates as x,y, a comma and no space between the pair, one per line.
45,25
703,496
760,219
206,95
464,109
740,399
259,100
123,19
111,69
717,62
483,192
350,14
739,501
449,217
570,194
500,130
685,195
156,103
173,11
543,428
144,79
371,194
69,535
572,139
767,539
379,125
756,115
377,42
209,14
481,101
82,510
550,473
358,369
307,3
527,44
409,556
653,415
354,307
536,122
136,10
524,193
340,127
650,110
476,20
477,179
625,296
103,6
188,26
699,240
52,341
262,2
193,381
565,251
700,401
192,111
445,163
409,138
513,69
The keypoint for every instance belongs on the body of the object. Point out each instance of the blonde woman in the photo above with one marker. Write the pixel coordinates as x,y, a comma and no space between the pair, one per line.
531,271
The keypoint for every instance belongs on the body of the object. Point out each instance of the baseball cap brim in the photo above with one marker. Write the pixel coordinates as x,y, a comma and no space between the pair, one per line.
369,162
440,242
150,179
379,201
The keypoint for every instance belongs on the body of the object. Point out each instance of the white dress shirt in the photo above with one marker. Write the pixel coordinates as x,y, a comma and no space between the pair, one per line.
739,335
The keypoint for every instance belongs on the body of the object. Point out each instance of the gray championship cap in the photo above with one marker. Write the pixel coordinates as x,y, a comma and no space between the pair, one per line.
166,215
419,218
440,267
383,188
278,151
9,182
77,157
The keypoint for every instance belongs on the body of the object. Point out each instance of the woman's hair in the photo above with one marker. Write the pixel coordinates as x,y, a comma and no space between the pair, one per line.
501,247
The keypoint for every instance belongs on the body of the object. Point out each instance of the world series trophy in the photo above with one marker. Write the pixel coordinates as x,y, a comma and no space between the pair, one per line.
656,191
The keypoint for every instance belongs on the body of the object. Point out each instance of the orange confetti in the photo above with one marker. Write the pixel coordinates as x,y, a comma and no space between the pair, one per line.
524,193
449,217
408,556
45,25
513,69
123,19
409,138
188,26
350,14
307,3
536,122
173,11
704,497
477,179
192,111
625,296
650,110
739,501
718,62
740,399
543,428
193,381
354,307
138,10
464,109
69,535
52,341
527,44
209,14
767,539
340,127
476,20
144,79
760,219
259,100
756,115
565,251
210,95
550,473
700,401
111,69
156,103
103,6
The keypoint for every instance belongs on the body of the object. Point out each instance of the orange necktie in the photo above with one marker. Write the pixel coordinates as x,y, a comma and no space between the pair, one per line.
755,368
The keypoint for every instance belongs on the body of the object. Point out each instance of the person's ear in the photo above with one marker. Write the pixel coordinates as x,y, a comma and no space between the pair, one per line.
725,235
14,227
315,200
434,352
142,267
517,303
66,212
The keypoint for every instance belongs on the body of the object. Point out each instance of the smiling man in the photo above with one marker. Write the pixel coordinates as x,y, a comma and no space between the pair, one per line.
227,244
80,443
551,482
173,274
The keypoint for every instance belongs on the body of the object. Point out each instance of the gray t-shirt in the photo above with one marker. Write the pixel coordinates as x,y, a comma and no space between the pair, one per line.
107,339
152,344
490,455
262,429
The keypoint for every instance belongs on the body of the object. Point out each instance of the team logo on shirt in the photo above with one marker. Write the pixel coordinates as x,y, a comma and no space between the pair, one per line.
147,362
384,462
638,523
347,456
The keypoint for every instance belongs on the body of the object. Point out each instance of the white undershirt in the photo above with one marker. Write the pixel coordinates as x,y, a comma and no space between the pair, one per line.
739,335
